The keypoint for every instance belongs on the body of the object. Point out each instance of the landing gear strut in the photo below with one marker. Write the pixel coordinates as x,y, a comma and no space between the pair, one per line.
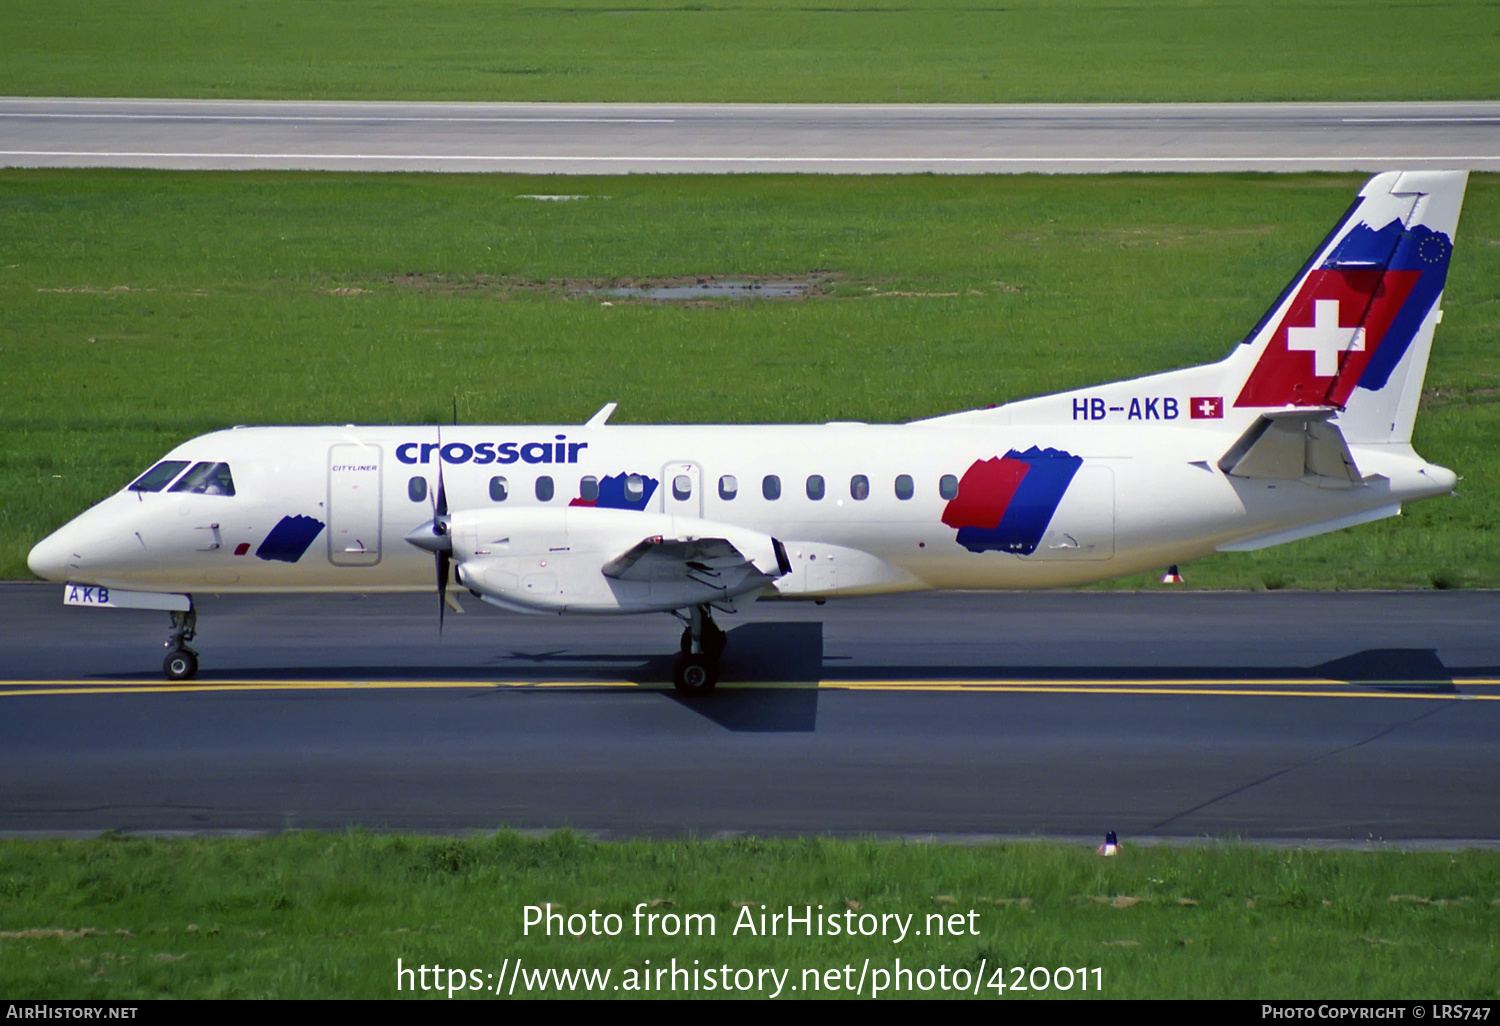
703,642
181,662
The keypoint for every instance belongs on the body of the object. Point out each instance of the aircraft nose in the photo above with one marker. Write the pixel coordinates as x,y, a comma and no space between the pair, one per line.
51,556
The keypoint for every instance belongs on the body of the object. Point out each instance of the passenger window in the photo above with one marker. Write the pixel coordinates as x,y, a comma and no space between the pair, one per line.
206,479
416,489
588,489
771,487
904,489
635,488
157,478
859,487
498,492
815,486
544,489
682,487
948,486
728,487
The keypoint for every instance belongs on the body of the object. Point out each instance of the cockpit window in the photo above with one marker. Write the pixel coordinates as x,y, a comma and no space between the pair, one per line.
155,479
206,479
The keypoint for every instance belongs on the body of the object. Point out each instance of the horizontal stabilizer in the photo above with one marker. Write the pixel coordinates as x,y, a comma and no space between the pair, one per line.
1291,534
1290,445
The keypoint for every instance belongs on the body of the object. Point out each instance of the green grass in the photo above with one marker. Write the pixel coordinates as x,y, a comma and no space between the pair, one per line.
142,308
930,51
313,915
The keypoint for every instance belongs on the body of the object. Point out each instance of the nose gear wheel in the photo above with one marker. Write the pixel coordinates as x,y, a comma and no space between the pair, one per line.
181,662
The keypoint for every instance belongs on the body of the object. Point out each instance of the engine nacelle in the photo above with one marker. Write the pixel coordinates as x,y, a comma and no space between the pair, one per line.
581,559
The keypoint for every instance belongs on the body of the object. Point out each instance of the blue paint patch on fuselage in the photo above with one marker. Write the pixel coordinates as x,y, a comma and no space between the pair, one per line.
612,492
290,538
1395,248
1049,472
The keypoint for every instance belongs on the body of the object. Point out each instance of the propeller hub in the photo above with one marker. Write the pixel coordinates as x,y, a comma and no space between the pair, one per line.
432,536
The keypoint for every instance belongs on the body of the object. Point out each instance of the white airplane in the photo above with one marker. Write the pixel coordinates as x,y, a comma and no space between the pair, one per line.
1305,427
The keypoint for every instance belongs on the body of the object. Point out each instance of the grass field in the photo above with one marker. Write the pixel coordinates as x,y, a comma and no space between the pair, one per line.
313,915
845,51
142,308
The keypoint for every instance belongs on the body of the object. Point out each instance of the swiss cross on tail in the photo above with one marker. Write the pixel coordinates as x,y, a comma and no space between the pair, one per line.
1352,319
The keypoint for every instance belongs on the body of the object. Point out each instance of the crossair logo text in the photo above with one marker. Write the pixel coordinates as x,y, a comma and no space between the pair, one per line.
559,451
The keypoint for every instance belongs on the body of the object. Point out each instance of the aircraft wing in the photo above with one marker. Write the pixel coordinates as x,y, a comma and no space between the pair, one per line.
705,560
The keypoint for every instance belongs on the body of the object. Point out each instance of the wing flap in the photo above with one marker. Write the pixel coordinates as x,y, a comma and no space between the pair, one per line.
659,558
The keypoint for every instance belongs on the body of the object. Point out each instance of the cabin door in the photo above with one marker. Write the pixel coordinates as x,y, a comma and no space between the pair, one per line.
353,504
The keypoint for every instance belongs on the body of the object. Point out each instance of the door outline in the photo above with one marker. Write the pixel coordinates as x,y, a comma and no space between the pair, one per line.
1082,527
683,508
351,497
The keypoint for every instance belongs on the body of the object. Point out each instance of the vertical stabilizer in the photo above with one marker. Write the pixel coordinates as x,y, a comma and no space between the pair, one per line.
1354,329
1349,335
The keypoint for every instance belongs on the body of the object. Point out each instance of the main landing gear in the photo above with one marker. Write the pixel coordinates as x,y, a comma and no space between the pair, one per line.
697,669
181,662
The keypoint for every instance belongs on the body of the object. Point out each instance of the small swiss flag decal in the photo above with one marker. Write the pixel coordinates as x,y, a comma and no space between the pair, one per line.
1207,407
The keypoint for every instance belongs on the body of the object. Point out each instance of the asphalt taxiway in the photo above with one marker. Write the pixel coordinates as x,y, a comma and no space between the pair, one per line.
617,138
1350,718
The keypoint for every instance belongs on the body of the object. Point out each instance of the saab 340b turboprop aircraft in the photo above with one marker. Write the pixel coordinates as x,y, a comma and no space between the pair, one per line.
1304,428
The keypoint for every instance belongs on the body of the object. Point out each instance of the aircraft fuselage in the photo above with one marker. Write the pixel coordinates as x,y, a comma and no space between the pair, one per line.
1137,497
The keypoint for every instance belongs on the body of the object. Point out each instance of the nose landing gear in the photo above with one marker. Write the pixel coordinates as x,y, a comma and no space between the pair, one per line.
703,641
181,662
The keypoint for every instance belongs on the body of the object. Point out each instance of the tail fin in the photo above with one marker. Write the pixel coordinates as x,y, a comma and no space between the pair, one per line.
1349,335
1353,330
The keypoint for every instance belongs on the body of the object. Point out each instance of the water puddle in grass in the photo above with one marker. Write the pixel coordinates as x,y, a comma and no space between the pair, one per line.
709,290
684,289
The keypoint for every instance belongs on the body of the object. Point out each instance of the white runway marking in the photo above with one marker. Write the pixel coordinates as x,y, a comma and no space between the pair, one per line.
353,118
721,159
633,138
1422,121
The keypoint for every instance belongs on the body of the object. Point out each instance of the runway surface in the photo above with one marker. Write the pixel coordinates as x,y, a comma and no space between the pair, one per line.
625,138
1286,717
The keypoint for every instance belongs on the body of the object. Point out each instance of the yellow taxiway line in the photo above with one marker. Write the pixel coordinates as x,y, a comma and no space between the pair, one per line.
1241,687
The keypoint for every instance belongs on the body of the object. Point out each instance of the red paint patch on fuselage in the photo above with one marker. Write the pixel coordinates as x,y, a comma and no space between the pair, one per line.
985,492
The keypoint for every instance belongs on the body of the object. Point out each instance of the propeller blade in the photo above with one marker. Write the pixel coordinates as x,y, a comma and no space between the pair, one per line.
442,495
440,530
